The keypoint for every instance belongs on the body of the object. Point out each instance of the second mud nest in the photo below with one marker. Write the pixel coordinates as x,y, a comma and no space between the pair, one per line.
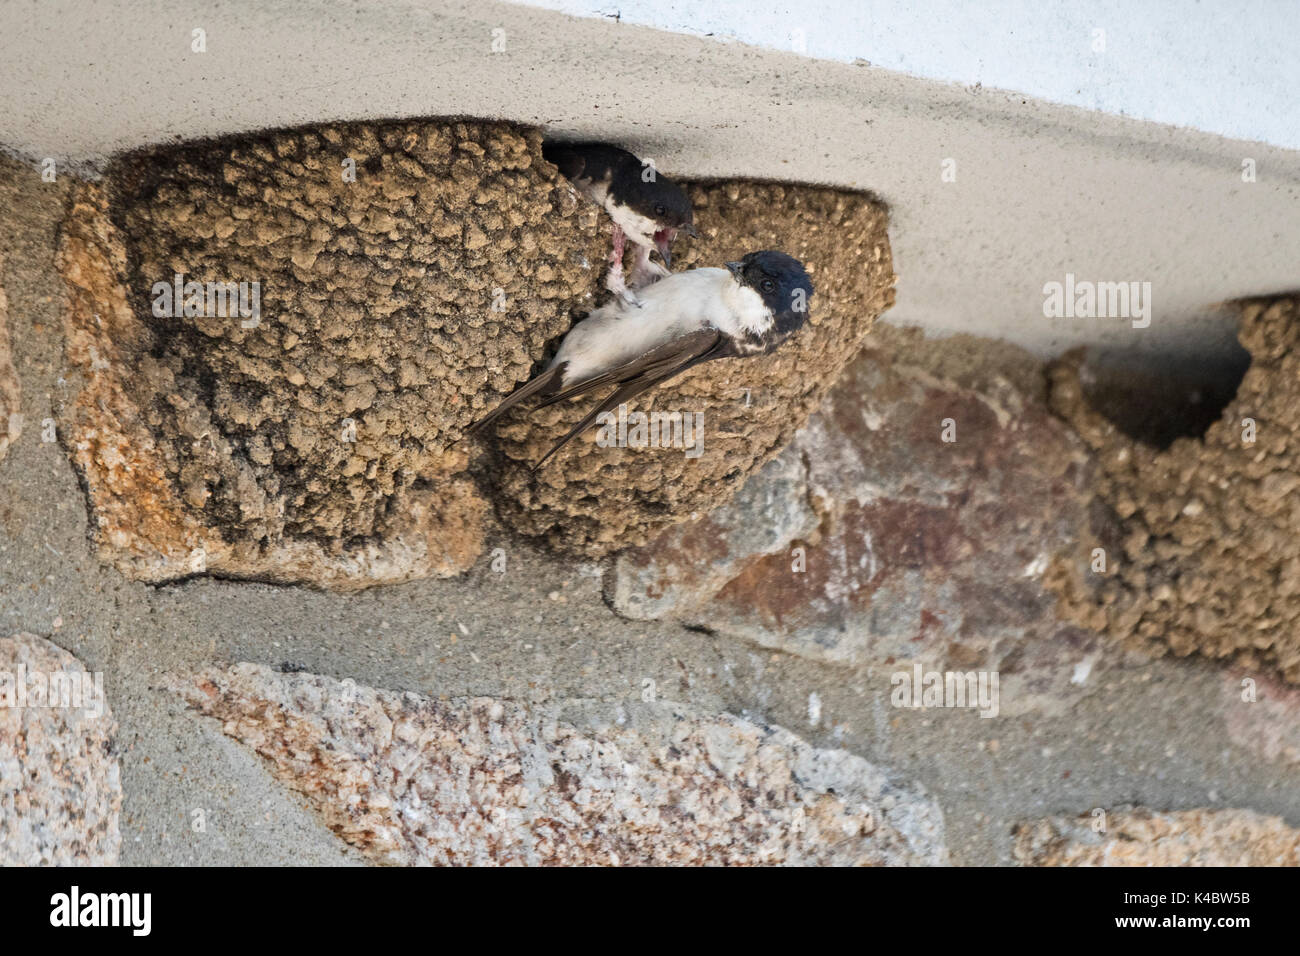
1201,541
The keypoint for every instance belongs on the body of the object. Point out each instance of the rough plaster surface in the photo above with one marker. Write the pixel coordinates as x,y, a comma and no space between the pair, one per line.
409,780
1137,836
596,500
60,784
1200,540
1262,715
1226,69
11,418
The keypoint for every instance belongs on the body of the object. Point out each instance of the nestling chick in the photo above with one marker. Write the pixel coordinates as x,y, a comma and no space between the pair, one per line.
648,208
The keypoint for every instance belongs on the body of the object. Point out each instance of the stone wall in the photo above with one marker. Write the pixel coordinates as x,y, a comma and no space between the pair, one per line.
409,780
60,785
688,661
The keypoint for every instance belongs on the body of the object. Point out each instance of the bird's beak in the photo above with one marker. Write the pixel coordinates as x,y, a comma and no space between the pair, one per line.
735,268
689,229
662,240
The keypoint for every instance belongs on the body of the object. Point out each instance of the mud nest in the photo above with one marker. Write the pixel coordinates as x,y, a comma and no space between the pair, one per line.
597,499
404,270
1201,540
410,275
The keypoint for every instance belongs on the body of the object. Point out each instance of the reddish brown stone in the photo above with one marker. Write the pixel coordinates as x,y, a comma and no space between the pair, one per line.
926,550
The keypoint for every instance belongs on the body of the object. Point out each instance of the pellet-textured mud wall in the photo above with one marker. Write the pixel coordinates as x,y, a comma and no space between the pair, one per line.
1197,548
405,271
597,499
409,275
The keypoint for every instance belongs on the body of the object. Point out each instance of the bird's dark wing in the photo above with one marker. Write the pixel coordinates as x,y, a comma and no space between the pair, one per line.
659,359
643,373
551,378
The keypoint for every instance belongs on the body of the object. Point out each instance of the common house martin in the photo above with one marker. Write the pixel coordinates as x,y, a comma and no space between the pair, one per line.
748,308
647,208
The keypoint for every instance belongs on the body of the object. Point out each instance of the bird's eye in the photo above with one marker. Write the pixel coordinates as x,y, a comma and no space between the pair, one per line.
767,285
659,209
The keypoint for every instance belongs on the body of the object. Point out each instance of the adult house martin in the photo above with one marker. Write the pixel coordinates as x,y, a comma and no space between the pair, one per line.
748,308
647,208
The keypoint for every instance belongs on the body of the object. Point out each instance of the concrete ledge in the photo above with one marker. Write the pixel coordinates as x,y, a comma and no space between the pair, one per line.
1040,191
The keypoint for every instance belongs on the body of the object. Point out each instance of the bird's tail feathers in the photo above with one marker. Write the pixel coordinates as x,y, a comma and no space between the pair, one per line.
550,379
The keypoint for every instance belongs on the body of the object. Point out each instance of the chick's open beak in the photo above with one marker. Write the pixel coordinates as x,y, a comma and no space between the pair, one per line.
663,241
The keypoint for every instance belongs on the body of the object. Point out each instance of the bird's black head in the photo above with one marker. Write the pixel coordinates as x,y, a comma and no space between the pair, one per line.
652,194
669,206
662,203
783,284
